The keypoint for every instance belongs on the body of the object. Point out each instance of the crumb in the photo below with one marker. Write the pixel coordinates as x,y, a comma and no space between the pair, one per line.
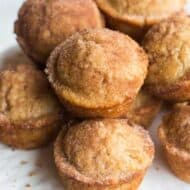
32,173
28,185
23,162
157,168
39,164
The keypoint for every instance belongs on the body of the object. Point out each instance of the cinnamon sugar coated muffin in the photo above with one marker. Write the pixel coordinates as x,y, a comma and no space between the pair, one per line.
174,134
134,17
30,114
144,109
168,46
108,154
43,24
97,73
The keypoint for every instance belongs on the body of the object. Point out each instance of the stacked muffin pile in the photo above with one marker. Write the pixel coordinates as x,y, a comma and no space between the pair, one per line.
108,87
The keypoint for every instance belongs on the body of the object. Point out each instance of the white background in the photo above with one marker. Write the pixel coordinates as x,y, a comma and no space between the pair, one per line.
25,170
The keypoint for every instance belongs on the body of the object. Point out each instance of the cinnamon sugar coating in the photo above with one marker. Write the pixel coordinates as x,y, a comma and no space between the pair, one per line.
167,45
178,127
103,153
30,114
97,73
174,134
42,24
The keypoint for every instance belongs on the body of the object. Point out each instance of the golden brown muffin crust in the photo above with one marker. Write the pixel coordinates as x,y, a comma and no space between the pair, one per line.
30,114
174,134
167,45
104,152
70,184
43,24
144,109
178,127
98,69
25,95
141,12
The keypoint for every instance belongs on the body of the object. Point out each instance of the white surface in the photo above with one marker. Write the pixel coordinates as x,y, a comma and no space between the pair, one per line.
39,172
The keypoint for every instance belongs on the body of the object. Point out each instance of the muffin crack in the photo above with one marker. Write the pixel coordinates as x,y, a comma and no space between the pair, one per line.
7,102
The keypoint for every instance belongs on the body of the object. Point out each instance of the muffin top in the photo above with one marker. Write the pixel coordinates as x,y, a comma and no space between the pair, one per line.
177,127
168,46
43,24
107,150
141,12
25,96
98,68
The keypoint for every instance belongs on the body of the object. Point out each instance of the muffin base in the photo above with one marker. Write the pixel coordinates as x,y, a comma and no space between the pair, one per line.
179,165
71,184
29,136
135,31
179,92
112,112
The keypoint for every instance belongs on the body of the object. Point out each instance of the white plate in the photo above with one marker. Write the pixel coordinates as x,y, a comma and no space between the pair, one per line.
23,170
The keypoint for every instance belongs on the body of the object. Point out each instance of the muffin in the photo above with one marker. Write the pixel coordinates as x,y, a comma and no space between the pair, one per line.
97,73
30,114
144,109
42,24
109,154
168,46
174,134
135,17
